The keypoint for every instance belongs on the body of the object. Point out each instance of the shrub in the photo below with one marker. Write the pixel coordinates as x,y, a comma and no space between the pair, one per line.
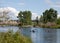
10,37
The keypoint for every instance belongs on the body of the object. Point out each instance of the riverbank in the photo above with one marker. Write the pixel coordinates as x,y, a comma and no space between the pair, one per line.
49,25
11,23
10,37
26,26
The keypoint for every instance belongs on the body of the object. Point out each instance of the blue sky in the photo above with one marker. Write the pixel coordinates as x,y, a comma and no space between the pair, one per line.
35,6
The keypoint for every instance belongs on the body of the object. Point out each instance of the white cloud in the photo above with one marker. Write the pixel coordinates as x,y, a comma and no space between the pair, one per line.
13,10
9,11
13,13
58,16
53,4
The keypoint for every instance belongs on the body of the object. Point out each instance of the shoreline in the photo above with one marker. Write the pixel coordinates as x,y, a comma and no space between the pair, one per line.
41,26
51,27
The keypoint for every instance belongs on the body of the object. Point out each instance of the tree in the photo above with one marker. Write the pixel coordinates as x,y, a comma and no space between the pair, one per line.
41,18
37,20
4,15
58,21
49,15
25,17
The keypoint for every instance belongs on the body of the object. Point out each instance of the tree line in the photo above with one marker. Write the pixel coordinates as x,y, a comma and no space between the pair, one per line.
49,15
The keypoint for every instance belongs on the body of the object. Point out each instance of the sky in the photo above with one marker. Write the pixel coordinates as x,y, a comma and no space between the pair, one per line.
37,7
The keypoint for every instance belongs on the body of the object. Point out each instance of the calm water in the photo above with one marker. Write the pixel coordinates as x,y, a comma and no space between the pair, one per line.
38,35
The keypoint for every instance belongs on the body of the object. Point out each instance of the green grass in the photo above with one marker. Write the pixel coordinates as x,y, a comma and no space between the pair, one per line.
10,37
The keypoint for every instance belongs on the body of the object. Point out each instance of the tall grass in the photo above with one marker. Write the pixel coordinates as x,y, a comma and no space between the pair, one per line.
10,37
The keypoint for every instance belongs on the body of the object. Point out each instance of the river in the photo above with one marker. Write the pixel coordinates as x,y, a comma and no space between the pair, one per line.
38,35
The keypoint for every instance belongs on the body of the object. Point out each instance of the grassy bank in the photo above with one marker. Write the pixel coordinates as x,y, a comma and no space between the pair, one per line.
8,25
10,37
49,25
53,27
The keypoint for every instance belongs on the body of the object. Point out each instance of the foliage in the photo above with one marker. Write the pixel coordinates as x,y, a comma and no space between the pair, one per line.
37,20
49,15
25,17
50,25
41,18
58,21
10,37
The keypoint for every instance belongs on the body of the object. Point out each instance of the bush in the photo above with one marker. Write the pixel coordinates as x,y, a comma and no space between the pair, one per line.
10,37
58,21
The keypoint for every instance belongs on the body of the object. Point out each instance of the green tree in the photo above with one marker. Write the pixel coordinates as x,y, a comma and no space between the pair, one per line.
41,18
49,15
37,20
58,21
25,17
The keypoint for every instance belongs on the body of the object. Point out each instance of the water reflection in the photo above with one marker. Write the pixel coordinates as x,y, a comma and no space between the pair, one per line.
41,35
50,35
58,35
7,28
38,35
26,31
